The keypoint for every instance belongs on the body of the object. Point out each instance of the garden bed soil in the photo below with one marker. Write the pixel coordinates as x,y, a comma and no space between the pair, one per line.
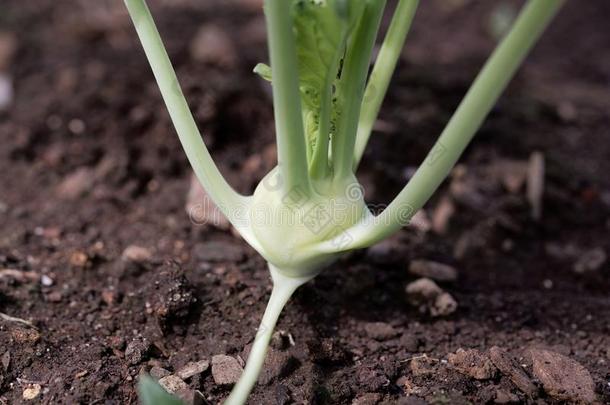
116,279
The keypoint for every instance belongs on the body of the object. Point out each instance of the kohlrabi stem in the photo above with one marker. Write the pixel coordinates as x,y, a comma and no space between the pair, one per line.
385,65
283,288
351,87
467,119
208,174
290,134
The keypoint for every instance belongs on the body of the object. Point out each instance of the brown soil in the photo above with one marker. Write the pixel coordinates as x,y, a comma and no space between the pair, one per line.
89,165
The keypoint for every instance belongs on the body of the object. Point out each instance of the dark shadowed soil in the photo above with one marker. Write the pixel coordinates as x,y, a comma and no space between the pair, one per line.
98,253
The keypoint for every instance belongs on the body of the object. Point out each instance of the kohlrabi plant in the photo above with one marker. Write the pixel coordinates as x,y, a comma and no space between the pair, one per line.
310,209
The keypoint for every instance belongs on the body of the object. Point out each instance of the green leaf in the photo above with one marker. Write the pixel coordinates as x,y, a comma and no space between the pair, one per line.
321,31
151,393
263,71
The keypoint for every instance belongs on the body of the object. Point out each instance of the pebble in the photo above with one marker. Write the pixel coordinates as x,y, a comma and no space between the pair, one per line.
136,254
562,378
79,259
590,261
31,392
509,367
76,184
192,369
173,384
201,209
429,297
212,45
433,270
380,330
226,370
472,363
46,280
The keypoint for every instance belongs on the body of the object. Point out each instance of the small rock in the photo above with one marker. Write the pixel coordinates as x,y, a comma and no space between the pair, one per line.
590,261
76,184
192,369
423,365
158,372
509,367
226,370
218,251
370,398
32,391
380,331
136,254
212,45
429,297
46,280
79,259
444,305
433,270
137,350
201,209
562,378
173,384
472,363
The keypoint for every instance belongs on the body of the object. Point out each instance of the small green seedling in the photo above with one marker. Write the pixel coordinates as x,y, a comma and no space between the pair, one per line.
310,209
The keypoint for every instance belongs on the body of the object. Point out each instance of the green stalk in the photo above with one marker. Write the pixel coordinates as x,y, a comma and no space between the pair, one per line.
351,87
381,75
290,135
468,118
283,288
208,174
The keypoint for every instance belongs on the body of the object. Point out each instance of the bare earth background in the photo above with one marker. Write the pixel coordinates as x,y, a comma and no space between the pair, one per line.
98,253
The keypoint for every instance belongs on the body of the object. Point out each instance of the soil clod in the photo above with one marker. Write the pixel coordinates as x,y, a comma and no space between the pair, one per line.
510,368
472,363
426,295
563,378
226,370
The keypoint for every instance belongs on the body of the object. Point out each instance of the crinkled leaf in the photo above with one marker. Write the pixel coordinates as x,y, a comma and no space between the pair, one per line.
321,29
